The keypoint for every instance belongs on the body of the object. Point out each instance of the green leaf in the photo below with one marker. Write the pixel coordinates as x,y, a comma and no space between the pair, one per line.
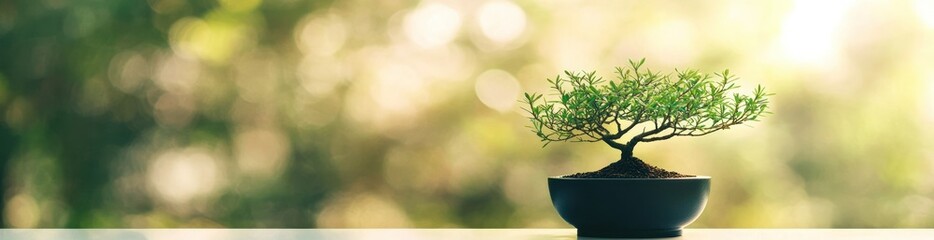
688,100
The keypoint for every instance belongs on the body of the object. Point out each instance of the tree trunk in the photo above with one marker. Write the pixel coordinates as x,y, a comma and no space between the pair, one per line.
627,148
626,152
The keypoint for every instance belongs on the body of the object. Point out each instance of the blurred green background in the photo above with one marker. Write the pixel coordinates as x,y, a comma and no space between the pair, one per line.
400,113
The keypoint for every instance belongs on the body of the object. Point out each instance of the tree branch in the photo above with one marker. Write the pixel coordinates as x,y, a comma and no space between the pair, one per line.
614,144
621,132
674,132
638,138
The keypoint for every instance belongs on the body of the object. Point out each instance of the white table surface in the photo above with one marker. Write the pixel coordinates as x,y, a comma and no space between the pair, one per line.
430,234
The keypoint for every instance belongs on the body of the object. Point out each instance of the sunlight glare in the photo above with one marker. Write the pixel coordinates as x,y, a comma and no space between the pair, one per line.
925,11
432,25
501,21
809,31
179,176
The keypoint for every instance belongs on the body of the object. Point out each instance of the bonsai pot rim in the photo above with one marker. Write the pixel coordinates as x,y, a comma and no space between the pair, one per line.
631,179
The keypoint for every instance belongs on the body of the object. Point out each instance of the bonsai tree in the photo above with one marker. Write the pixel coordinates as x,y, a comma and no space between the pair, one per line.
644,106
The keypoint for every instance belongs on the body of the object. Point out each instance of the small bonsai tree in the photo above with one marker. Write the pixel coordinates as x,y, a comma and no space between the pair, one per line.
590,109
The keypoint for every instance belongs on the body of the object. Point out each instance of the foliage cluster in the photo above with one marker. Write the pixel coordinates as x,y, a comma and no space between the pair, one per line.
588,108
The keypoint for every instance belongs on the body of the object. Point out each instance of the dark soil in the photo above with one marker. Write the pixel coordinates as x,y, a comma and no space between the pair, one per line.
629,168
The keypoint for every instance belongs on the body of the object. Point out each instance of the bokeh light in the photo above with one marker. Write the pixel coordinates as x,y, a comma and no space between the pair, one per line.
321,34
432,25
22,212
261,152
291,113
497,89
179,176
501,21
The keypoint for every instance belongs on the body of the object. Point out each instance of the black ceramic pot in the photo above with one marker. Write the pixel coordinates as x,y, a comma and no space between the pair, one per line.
629,207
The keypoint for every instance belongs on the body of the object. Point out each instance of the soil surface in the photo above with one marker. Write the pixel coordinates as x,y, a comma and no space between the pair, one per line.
629,168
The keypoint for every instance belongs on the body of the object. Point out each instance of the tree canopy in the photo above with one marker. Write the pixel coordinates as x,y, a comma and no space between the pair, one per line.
588,108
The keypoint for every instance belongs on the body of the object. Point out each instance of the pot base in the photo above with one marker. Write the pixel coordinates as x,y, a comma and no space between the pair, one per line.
629,207
632,233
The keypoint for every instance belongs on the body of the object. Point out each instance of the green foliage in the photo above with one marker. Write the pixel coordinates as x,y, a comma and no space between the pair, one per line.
590,109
